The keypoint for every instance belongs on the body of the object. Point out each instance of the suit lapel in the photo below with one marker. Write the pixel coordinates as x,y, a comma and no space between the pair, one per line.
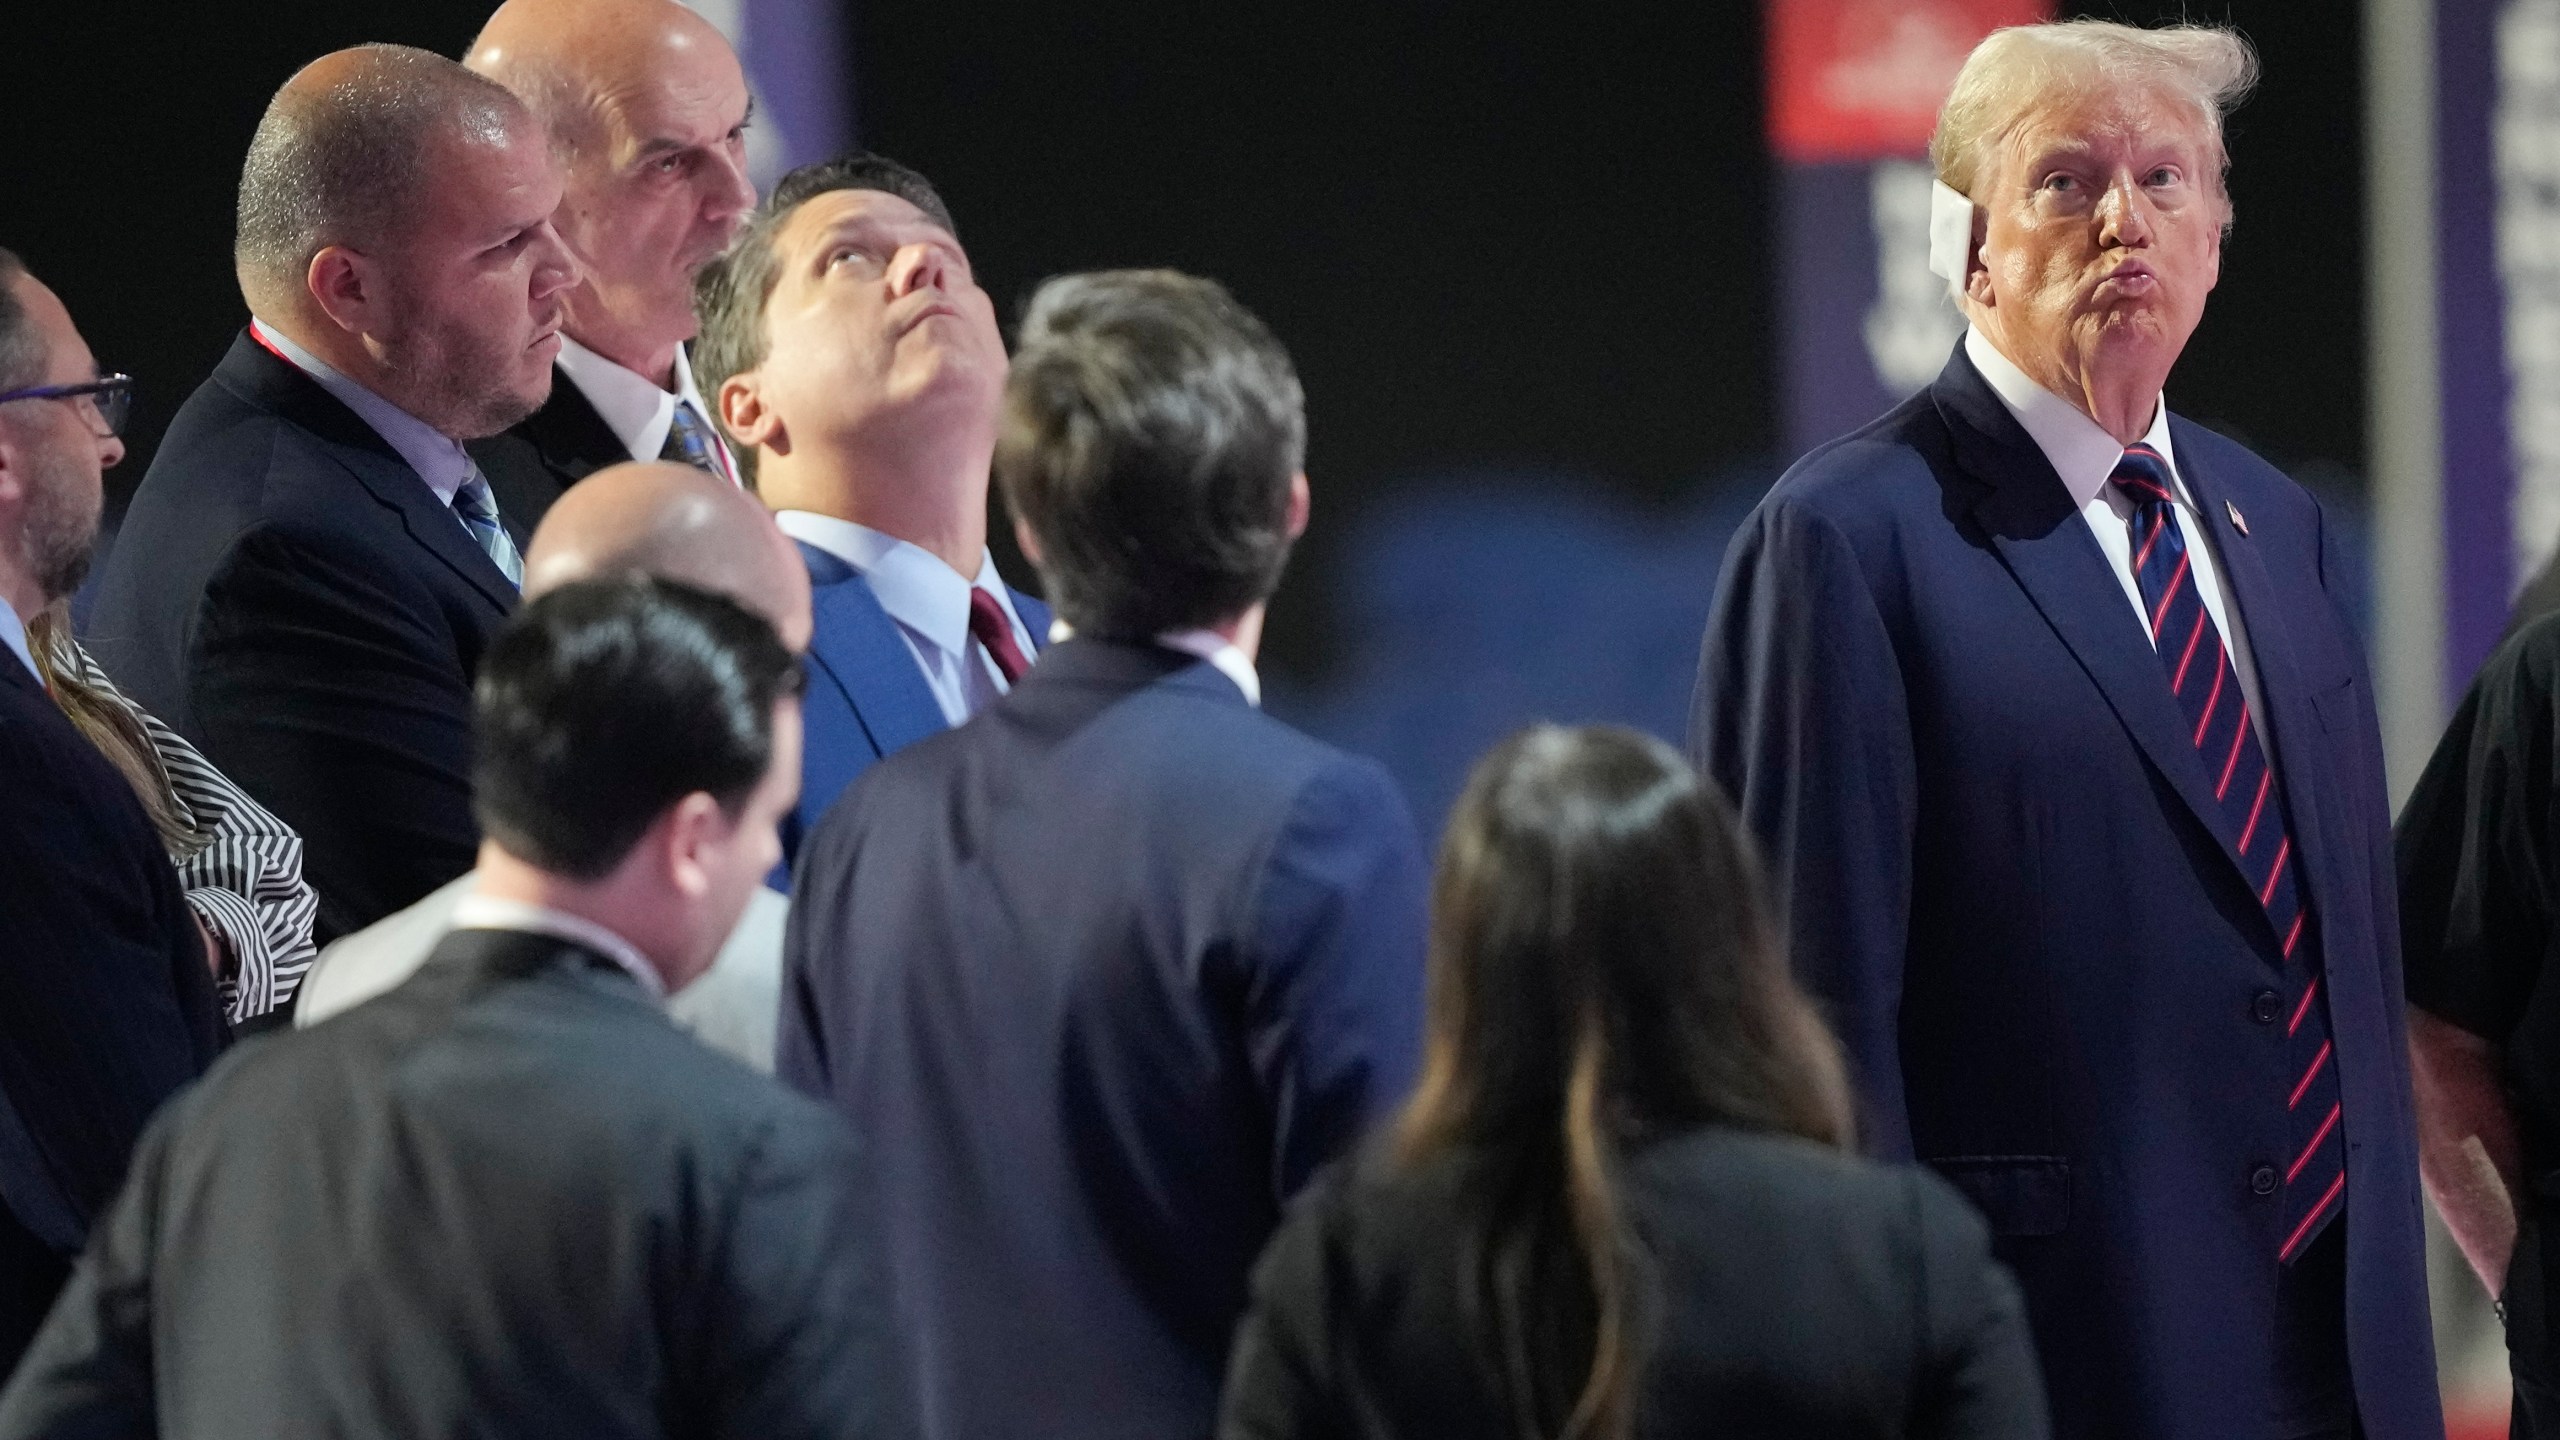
2289,728
858,649
2039,535
267,380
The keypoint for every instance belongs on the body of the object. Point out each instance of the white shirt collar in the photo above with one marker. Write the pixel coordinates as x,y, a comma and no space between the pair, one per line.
2080,451
1222,652
475,911
1209,645
913,584
13,637
638,410
438,458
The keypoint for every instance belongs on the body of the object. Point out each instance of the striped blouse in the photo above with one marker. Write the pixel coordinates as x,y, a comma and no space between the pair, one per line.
245,877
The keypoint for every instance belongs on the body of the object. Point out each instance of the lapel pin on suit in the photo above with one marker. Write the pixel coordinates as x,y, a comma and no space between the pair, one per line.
2239,521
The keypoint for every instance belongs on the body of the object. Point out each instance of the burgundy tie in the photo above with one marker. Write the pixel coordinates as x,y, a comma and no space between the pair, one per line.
988,623
2314,1177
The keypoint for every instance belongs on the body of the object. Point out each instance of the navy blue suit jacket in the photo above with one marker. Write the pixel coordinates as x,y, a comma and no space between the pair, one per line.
106,1004
865,696
1922,684
1101,976
293,598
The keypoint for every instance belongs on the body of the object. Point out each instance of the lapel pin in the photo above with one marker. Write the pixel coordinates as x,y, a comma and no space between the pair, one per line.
2239,521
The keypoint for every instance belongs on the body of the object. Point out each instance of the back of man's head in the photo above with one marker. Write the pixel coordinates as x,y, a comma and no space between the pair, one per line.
606,702
731,292
1153,429
22,348
677,523
343,155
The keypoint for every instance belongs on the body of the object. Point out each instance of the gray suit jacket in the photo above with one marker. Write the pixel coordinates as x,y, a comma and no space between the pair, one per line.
509,1199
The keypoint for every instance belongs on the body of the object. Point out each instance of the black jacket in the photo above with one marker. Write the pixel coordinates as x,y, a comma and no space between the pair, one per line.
106,1004
1797,1294
550,450
509,1198
293,598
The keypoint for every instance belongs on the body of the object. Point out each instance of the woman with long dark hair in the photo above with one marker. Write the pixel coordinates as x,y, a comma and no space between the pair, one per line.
1620,1202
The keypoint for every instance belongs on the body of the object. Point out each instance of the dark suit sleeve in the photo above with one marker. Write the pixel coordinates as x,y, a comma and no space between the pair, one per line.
1280,1382
1800,716
339,702
800,1041
1334,987
797,1325
89,1373
1980,1378
2475,844
106,1004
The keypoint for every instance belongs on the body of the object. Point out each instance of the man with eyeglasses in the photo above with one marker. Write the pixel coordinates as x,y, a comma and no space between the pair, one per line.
106,1004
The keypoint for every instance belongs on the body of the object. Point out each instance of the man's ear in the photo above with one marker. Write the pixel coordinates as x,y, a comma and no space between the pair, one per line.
1301,502
749,420
346,287
1029,542
16,474
694,826
1977,272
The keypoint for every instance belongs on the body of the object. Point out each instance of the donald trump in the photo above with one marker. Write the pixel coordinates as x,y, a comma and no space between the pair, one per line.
2042,700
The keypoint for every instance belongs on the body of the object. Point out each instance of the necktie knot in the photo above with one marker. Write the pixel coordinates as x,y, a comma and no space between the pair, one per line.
990,627
2143,474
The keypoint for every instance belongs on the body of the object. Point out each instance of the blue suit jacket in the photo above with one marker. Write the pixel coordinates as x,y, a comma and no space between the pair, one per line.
865,696
1102,976
1923,686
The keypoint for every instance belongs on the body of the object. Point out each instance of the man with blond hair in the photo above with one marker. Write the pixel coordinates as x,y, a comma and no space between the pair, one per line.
2044,702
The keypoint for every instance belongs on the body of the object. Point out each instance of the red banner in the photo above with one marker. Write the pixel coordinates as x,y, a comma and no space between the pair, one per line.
1862,79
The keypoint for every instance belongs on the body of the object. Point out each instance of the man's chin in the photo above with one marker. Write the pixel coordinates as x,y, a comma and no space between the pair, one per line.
498,414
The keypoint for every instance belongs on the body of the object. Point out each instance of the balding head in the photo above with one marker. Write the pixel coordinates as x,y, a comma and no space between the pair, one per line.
343,153
395,220
647,107
676,523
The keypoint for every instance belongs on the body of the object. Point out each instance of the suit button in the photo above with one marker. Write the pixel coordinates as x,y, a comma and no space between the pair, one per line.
2267,1007
2263,1180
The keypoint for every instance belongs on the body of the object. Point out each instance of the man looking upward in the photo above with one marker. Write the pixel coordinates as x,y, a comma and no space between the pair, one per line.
647,110
857,363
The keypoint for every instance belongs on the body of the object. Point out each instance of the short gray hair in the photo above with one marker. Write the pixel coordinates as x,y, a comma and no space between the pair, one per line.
343,164
1152,428
22,350
2209,68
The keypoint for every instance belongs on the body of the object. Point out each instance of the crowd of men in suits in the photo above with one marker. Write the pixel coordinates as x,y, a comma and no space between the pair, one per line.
588,563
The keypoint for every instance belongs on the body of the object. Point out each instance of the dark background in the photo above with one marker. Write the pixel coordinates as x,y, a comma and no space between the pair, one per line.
1525,238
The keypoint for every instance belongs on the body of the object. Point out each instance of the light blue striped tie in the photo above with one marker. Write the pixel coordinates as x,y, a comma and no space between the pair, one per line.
478,511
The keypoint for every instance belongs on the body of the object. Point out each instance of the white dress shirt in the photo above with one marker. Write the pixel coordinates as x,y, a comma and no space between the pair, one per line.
930,602
638,410
1222,652
476,911
439,459
2085,456
1209,645
13,637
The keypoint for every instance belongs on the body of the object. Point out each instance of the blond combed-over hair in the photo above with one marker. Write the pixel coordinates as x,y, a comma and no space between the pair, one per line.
2208,68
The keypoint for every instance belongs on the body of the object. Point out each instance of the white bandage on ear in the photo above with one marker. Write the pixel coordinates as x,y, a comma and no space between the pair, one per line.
1950,236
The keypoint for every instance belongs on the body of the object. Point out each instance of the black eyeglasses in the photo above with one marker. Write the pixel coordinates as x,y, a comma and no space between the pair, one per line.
110,398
